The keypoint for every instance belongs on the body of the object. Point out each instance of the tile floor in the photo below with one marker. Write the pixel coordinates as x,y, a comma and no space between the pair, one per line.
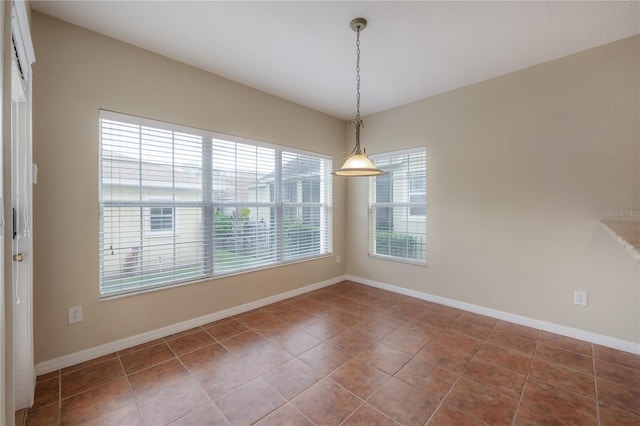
353,355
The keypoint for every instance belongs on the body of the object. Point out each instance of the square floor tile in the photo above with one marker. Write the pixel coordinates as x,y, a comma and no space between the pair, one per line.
128,415
205,358
326,403
360,378
90,377
563,377
85,406
512,341
616,356
226,329
207,415
250,402
444,357
351,342
617,373
292,378
384,357
190,342
424,330
297,342
449,416
147,357
324,358
566,343
506,358
469,328
426,377
44,416
366,415
285,415
614,417
500,379
518,330
323,329
254,318
158,377
565,358
405,342
244,342
544,401
222,377
372,329
265,358
620,397
404,403
46,392
164,405
482,403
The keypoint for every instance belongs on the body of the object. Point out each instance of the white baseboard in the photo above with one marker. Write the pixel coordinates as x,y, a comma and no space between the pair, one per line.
118,345
588,336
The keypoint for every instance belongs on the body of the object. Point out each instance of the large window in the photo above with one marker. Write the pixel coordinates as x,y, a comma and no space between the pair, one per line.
180,204
398,207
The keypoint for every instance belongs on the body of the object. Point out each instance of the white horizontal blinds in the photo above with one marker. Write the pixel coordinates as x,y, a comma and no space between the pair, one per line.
180,204
306,211
244,209
151,202
398,206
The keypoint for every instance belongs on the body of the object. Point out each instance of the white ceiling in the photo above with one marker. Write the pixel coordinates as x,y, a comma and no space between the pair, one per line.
305,51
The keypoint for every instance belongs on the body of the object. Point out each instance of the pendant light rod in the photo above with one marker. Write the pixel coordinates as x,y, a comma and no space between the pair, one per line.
357,25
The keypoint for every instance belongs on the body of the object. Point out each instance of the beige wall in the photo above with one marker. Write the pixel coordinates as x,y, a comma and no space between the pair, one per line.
520,170
76,73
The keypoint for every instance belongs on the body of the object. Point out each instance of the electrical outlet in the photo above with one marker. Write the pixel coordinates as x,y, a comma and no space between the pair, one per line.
337,258
75,314
580,298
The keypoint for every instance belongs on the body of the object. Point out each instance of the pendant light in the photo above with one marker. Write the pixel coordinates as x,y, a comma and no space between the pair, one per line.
357,163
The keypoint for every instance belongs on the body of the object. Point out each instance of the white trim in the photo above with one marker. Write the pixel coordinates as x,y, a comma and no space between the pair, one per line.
118,345
22,36
600,339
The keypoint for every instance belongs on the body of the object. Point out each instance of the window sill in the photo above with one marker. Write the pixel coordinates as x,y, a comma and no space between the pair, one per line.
397,259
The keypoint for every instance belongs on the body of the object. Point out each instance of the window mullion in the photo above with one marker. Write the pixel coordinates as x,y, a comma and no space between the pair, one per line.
141,210
279,207
207,210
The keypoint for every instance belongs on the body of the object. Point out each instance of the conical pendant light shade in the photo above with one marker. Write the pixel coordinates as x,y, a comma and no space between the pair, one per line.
359,165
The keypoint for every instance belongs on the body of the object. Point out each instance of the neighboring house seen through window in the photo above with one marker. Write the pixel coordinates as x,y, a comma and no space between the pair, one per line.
240,204
397,206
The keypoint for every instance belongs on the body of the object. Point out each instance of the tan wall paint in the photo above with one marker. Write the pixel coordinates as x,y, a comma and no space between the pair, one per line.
76,73
520,170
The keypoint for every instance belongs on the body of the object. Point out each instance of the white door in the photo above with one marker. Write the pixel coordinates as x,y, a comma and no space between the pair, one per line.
22,269
19,222
3,395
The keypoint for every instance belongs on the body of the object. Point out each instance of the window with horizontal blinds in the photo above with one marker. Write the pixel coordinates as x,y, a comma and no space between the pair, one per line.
397,206
180,204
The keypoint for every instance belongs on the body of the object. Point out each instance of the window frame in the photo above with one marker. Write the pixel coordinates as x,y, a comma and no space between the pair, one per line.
209,205
398,181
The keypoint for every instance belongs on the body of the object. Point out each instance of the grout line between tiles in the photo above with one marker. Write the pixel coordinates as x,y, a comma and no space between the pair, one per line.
524,386
595,385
